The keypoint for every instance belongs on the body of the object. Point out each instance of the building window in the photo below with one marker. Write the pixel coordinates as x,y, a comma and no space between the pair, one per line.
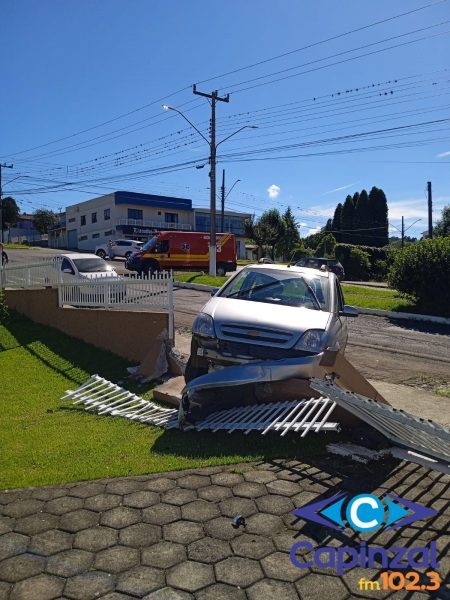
94,217
135,213
82,238
159,213
95,236
109,232
107,214
171,217
72,220
83,220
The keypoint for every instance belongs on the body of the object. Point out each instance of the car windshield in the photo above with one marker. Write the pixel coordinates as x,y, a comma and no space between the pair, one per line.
92,265
151,242
285,288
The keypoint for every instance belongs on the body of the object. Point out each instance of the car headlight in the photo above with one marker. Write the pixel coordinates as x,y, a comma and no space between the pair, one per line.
311,341
204,326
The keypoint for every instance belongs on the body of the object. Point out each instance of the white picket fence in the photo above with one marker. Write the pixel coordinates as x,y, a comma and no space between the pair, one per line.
100,292
44,273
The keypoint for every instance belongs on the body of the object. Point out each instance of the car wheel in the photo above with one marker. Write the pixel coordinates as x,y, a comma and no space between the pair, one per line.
221,271
101,254
127,255
192,372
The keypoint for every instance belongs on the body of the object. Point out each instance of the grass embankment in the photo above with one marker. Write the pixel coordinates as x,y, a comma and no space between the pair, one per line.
45,441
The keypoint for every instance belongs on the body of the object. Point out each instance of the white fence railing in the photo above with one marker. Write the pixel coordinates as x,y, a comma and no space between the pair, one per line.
46,272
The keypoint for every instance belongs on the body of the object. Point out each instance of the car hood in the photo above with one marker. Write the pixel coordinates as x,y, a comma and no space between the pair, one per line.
110,275
249,314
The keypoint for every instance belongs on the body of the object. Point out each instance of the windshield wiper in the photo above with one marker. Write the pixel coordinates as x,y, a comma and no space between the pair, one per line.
313,293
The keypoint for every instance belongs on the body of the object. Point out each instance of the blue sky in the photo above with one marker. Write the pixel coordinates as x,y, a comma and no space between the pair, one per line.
71,66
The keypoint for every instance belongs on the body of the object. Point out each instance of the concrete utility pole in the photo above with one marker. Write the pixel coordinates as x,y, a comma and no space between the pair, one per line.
213,97
2,166
403,231
430,211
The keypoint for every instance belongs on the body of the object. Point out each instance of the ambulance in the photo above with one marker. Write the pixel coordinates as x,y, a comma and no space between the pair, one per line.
183,250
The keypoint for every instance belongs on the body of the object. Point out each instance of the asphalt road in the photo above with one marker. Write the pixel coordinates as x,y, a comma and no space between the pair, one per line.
396,351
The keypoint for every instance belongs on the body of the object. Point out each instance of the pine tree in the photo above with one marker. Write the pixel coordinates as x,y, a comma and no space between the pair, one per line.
378,210
347,219
291,239
336,223
362,221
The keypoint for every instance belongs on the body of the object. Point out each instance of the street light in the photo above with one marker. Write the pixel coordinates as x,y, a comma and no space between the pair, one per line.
212,174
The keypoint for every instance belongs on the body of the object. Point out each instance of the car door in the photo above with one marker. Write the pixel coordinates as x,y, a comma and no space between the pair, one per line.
68,270
121,248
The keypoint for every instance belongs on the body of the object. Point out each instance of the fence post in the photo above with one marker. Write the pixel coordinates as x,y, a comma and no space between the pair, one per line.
170,309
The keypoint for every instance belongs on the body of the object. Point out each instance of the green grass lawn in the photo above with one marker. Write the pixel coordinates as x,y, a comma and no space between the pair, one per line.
383,299
44,441
200,278
17,247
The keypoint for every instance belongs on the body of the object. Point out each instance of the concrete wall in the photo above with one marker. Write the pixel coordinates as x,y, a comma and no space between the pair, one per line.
129,334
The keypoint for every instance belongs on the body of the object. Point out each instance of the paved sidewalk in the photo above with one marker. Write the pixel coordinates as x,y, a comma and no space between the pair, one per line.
169,536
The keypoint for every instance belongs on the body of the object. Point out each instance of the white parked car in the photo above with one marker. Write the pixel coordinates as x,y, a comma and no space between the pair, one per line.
88,273
84,266
122,248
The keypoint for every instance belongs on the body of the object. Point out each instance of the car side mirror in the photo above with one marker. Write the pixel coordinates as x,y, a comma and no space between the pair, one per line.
214,291
349,311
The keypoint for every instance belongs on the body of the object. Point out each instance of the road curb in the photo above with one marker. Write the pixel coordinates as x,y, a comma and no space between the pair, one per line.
364,311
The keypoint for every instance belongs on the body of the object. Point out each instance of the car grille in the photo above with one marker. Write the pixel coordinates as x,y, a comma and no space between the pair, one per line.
251,351
257,335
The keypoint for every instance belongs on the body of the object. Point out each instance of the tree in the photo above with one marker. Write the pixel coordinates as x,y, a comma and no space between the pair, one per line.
347,218
361,222
326,246
267,231
291,238
43,219
10,212
442,228
378,210
336,223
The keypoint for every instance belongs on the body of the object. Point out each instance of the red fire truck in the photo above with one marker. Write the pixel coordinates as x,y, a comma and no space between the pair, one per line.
183,250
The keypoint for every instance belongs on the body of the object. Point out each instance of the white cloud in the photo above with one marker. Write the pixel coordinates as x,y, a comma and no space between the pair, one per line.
443,154
339,189
303,224
273,191
415,208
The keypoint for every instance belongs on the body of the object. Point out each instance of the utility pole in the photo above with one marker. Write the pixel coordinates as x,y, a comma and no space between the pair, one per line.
213,97
403,232
222,212
2,166
430,211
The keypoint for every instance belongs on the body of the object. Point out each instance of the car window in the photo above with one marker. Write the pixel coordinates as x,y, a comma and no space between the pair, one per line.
92,265
279,287
339,296
65,265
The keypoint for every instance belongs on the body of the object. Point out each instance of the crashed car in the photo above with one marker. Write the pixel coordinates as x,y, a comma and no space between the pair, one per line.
269,312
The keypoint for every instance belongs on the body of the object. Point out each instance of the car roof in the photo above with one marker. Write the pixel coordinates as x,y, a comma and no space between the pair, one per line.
127,240
74,255
291,269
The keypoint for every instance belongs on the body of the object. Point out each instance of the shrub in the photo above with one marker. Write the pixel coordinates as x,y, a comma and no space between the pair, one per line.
422,270
380,270
358,265
343,252
4,313
326,246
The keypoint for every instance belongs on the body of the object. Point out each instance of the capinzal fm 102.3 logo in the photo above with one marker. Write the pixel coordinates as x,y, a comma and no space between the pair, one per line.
364,512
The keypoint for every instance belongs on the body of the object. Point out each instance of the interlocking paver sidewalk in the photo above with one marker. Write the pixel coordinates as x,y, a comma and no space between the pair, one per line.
170,536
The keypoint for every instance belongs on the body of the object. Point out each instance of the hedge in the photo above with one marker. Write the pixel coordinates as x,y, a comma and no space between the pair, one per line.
422,270
379,258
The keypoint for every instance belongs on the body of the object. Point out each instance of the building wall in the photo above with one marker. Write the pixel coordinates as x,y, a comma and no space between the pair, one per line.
91,223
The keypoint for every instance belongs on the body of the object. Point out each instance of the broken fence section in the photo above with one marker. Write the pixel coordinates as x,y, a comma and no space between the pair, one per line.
105,398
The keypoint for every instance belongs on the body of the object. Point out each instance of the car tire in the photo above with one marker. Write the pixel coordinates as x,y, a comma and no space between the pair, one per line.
221,270
192,372
127,255
101,254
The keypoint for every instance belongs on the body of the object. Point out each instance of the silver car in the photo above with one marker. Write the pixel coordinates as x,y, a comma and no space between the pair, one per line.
269,312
